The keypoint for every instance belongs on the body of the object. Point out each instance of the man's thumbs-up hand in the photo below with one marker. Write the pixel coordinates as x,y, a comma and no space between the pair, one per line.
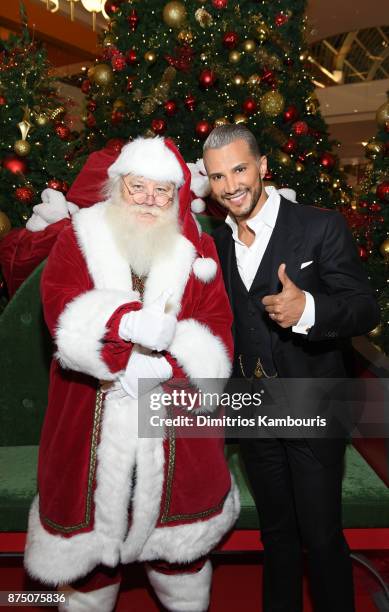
150,327
285,308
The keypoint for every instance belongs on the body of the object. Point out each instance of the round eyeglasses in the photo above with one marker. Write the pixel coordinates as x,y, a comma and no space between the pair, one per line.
139,194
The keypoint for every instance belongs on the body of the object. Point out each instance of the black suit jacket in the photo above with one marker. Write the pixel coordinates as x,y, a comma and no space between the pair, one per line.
345,305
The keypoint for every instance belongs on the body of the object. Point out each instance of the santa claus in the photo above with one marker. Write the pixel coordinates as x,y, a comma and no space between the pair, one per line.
131,290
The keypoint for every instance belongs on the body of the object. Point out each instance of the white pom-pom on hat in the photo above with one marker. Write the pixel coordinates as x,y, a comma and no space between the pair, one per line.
148,157
197,206
205,269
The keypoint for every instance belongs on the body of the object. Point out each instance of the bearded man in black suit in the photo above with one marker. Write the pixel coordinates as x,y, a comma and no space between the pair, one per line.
299,293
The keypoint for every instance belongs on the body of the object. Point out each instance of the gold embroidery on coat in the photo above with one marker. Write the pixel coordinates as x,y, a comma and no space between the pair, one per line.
92,471
166,518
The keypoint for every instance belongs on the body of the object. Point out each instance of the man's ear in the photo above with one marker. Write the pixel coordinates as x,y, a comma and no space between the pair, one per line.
262,165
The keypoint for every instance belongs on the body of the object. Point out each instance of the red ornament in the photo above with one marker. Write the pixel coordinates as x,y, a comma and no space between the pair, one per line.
291,113
302,158
15,165
24,195
112,7
363,254
280,19
230,40
130,83
382,191
62,131
133,20
219,4
117,117
375,207
91,106
268,77
115,143
249,106
300,128
207,78
170,107
131,57
3,100
85,86
158,126
118,62
190,102
90,120
203,128
327,161
289,146
363,204
55,184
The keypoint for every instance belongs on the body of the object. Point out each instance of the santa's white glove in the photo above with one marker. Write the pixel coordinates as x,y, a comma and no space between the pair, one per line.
53,208
150,327
154,368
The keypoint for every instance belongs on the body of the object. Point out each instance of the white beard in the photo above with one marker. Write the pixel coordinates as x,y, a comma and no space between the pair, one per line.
142,243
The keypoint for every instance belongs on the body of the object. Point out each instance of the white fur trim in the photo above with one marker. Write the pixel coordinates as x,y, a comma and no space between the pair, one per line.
81,328
148,157
103,599
205,269
197,206
72,208
186,592
186,543
199,351
199,183
106,264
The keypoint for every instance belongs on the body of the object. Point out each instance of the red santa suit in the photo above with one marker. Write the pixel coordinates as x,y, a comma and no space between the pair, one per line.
93,466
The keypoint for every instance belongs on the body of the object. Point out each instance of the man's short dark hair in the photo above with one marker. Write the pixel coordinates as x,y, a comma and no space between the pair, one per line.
226,134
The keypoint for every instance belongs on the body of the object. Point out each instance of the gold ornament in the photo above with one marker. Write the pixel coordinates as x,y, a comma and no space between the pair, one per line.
24,127
203,17
300,167
90,72
283,158
238,80
384,248
377,331
185,37
118,104
174,14
41,119
239,118
262,32
203,57
102,75
109,40
221,121
249,45
254,80
272,103
57,112
312,105
150,57
22,148
5,224
373,149
382,115
234,57
324,178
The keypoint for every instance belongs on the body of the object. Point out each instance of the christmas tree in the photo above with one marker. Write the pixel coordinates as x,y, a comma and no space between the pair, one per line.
369,220
36,145
180,68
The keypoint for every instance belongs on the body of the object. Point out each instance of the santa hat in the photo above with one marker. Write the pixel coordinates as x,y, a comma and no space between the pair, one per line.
148,157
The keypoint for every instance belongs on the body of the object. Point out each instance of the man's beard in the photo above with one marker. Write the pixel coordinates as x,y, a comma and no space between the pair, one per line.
142,243
246,212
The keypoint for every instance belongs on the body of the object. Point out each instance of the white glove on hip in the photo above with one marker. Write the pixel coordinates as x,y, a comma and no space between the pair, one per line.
154,368
150,327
